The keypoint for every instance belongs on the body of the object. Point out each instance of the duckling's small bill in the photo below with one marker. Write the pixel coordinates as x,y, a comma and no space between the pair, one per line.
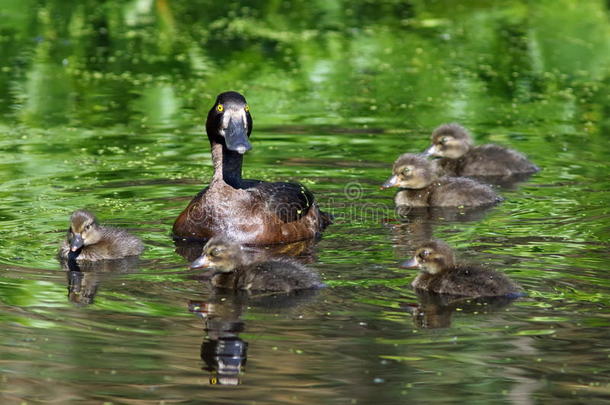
76,243
410,264
201,262
391,182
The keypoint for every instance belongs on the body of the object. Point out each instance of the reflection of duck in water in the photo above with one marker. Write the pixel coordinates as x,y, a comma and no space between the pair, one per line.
453,144
84,277
82,287
223,350
440,274
419,187
228,267
89,241
436,310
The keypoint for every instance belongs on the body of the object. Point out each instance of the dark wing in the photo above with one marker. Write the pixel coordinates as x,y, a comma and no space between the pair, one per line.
288,201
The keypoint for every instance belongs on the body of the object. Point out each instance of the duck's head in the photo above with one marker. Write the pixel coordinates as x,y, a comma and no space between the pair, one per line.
432,257
84,230
450,141
219,255
411,171
230,123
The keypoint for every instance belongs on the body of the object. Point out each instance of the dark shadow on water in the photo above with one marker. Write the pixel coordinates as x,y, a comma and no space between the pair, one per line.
85,278
434,311
223,351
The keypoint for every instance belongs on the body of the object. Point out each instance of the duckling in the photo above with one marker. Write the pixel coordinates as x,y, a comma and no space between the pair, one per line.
453,144
440,274
88,240
229,268
419,186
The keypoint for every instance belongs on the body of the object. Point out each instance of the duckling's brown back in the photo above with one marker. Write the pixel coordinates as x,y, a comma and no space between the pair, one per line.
280,275
459,191
472,282
494,160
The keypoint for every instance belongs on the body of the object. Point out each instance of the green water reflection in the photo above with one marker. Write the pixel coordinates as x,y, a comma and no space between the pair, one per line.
102,106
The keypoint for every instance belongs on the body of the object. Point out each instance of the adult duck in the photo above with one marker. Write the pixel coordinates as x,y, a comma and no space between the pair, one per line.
247,211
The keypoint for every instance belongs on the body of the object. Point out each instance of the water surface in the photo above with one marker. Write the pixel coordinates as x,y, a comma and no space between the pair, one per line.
102,107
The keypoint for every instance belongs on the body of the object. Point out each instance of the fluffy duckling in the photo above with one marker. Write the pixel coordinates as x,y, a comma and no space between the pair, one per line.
419,186
229,268
88,240
459,157
440,274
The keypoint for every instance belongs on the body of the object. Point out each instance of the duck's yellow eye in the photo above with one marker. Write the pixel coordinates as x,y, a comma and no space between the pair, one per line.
220,108
247,108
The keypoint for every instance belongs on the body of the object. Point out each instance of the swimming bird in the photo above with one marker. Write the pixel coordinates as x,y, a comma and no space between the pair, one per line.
440,274
247,211
228,267
459,157
87,240
415,176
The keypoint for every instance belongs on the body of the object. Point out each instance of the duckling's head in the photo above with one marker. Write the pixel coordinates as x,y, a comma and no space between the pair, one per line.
432,257
230,123
411,171
220,255
84,230
450,141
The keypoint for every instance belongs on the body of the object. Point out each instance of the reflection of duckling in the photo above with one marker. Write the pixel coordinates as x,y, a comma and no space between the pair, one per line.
82,287
84,277
229,268
415,175
440,274
453,144
87,240
436,310
223,351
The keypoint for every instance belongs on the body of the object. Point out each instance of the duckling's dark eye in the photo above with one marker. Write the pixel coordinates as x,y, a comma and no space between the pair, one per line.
406,171
220,108
444,140
247,108
215,252
87,227
424,253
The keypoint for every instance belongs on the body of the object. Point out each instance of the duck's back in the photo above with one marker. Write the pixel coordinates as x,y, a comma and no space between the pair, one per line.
460,191
468,281
258,213
278,275
493,160
114,244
